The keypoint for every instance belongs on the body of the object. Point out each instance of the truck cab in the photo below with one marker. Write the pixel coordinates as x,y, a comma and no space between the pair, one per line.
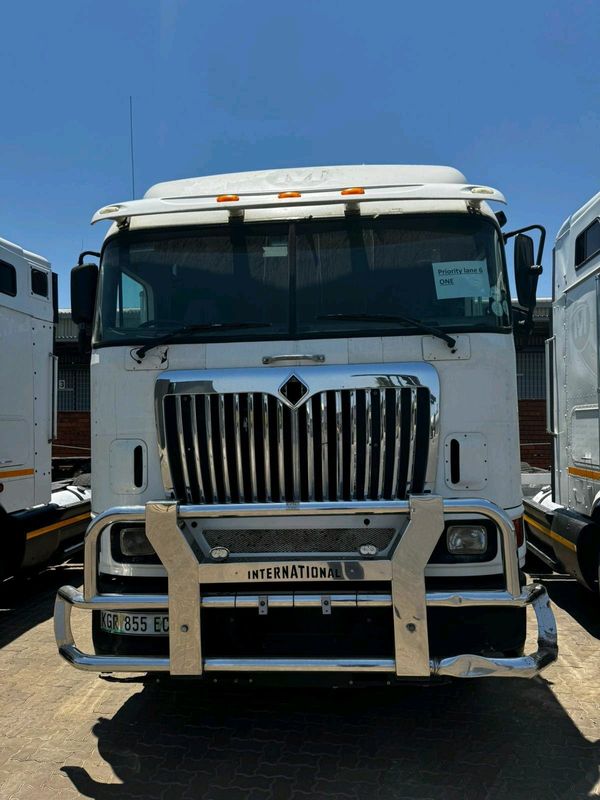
305,438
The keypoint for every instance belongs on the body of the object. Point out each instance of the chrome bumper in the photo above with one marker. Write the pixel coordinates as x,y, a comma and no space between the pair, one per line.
402,575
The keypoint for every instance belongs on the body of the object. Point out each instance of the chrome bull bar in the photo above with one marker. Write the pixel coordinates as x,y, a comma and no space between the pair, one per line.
404,572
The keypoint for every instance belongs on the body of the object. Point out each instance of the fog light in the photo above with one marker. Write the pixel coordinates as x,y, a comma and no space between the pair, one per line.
368,550
134,542
466,539
219,553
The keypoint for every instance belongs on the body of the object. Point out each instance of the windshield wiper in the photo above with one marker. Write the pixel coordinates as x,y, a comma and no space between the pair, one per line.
438,332
204,326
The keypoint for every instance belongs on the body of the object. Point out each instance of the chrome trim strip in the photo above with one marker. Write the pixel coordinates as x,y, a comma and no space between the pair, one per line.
319,358
295,425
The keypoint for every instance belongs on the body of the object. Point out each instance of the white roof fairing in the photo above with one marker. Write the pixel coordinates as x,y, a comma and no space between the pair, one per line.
256,195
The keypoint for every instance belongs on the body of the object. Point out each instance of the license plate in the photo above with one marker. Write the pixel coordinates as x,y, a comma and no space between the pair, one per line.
134,624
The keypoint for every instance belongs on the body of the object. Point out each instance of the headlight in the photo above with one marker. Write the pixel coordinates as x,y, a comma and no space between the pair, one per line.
134,542
466,539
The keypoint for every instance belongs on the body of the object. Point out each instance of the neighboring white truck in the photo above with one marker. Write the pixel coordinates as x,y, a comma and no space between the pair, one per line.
305,450
563,520
36,519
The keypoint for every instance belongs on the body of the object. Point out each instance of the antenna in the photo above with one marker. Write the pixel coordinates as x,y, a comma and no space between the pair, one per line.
131,146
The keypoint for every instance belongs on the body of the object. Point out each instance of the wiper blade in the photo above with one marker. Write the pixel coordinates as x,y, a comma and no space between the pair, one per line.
438,332
204,326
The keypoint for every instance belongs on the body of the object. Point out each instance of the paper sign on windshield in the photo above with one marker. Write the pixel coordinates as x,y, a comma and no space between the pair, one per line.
461,279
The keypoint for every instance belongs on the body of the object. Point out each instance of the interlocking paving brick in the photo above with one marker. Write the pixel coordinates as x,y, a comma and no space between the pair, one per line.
66,734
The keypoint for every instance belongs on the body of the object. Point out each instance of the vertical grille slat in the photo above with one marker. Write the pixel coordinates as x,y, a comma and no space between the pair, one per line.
397,435
368,444
210,448
237,434
310,452
353,450
382,444
196,446
280,452
223,438
183,448
324,449
339,457
266,447
252,446
344,444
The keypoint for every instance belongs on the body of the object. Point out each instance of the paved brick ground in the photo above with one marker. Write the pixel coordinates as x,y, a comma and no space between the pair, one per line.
67,734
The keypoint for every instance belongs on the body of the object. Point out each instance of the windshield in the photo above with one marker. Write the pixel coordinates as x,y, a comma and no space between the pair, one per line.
344,277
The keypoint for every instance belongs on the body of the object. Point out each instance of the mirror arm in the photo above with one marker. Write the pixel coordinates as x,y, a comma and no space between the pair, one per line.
87,253
509,234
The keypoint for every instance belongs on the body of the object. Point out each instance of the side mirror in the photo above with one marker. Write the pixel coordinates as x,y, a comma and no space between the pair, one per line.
84,280
526,272
528,267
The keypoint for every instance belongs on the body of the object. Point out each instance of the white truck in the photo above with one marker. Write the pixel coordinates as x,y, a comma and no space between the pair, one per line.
305,450
37,519
563,519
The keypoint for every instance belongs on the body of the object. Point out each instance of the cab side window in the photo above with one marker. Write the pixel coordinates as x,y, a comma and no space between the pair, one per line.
587,244
39,282
8,279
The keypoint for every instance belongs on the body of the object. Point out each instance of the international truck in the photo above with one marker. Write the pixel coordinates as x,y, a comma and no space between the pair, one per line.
38,519
305,449
563,519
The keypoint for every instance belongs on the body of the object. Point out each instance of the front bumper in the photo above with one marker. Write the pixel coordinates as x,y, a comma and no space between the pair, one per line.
402,578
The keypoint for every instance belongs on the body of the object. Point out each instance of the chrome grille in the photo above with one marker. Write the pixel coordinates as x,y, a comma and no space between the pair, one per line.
348,444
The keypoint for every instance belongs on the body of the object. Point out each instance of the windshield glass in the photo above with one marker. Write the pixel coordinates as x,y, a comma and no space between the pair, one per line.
298,279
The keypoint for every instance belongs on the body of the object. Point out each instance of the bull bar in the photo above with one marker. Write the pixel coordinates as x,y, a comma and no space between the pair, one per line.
403,571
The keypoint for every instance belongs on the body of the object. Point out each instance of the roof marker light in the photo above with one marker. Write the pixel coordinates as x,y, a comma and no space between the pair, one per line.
353,190
285,195
227,198
109,210
481,190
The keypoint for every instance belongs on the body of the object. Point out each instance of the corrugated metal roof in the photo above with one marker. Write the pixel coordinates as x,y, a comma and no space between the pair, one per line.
66,330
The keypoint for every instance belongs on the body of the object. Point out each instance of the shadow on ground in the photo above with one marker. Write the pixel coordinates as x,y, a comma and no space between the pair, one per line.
579,603
466,740
26,602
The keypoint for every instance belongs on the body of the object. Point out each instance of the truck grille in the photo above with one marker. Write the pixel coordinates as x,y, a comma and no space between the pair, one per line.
351,444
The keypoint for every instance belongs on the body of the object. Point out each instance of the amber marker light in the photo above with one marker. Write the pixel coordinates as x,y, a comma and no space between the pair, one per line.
227,198
353,190
286,195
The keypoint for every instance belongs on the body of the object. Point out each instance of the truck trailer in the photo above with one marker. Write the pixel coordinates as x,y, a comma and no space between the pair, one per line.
305,449
563,519
38,519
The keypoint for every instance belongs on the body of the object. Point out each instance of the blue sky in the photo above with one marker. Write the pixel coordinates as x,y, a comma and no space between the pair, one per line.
507,92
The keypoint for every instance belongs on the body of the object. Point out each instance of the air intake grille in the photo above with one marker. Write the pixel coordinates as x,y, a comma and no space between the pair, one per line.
307,540
355,444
